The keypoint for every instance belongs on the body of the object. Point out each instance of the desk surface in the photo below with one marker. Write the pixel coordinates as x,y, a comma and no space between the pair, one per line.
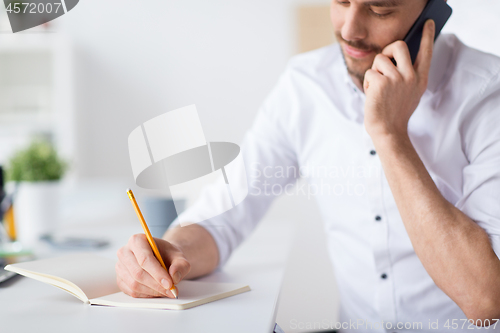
27,305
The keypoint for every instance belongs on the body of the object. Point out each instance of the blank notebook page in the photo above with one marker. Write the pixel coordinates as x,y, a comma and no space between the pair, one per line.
93,274
191,293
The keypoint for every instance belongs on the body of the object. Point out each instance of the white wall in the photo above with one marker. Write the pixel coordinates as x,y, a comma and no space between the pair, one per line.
476,23
135,60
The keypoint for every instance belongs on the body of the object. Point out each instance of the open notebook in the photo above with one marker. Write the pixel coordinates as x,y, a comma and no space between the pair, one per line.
92,279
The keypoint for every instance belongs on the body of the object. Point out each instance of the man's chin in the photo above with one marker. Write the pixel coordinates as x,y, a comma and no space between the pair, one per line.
357,68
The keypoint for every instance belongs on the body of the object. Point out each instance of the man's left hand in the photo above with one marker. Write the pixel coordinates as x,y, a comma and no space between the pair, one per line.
393,92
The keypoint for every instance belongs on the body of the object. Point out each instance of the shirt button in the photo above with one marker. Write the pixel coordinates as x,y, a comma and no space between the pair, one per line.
383,276
378,218
372,152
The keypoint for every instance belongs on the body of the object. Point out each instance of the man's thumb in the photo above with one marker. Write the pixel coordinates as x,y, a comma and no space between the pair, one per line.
178,269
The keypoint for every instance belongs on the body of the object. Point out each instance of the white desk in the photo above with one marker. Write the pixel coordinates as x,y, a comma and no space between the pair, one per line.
31,306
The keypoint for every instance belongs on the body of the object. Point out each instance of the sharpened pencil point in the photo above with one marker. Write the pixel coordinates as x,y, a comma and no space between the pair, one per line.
174,292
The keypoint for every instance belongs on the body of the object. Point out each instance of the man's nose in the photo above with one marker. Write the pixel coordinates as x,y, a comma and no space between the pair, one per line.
354,26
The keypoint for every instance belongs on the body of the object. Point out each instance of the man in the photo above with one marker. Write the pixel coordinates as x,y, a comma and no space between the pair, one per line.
411,192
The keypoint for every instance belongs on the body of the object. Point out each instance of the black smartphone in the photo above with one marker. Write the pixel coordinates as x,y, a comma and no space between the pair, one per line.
440,12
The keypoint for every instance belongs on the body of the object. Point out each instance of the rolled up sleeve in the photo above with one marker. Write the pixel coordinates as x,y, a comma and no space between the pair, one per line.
481,178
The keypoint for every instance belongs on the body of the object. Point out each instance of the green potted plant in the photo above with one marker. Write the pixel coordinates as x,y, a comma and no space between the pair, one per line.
37,171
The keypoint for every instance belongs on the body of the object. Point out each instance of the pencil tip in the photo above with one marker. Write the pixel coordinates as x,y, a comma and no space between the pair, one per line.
174,292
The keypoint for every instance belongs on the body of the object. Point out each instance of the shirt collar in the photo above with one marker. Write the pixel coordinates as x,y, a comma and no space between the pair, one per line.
342,69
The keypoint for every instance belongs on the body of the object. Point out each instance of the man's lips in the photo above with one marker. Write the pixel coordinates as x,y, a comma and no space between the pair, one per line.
356,53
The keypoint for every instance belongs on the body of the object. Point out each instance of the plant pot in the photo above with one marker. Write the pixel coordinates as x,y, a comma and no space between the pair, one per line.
36,210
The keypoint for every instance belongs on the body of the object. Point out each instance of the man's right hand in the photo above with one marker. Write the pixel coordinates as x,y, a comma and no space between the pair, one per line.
140,274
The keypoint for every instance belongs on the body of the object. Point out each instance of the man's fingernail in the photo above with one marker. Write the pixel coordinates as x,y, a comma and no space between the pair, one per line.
432,25
165,284
177,277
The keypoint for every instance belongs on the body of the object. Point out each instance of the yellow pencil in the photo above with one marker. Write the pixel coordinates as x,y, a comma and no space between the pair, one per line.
10,225
149,237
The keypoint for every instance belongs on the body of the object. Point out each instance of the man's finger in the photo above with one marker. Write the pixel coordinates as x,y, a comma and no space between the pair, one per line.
384,66
132,267
424,57
136,287
399,52
148,262
179,268
370,76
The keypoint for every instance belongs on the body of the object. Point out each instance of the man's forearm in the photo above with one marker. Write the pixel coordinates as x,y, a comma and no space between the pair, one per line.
454,250
198,246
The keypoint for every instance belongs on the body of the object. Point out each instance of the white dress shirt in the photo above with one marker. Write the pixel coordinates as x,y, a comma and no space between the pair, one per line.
312,122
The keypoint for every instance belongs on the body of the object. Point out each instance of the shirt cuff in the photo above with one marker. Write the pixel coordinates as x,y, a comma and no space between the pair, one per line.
215,228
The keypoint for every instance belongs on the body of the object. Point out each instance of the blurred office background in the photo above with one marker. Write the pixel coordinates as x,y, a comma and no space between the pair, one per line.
87,79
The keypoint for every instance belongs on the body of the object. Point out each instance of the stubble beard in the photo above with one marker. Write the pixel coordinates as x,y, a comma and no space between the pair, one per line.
355,67
354,70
